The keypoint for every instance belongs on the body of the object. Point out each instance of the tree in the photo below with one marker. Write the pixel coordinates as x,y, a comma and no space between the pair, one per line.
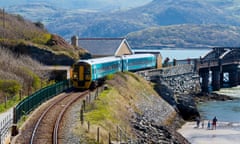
39,24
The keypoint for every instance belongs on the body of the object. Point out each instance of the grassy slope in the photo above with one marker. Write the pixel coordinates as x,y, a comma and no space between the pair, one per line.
116,106
21,72
17,32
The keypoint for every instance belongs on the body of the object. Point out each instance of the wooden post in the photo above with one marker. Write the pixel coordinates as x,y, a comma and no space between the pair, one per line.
20,94
5,101
88,126
84,105
81,116
98,135
89,97
3,25
120,135
117,133
109,138
14,130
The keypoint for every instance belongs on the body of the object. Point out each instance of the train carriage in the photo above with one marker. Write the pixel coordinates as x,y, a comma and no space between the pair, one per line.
138,62
87,72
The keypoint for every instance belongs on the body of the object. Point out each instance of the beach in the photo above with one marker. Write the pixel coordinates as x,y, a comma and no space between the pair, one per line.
226,133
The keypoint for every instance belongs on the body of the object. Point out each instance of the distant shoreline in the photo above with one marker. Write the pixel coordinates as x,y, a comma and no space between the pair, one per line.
172,48
213,97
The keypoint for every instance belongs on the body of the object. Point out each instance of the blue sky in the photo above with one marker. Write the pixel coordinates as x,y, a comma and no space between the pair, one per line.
79,3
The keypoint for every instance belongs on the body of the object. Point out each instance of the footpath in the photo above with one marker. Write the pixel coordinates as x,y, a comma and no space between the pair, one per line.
226,133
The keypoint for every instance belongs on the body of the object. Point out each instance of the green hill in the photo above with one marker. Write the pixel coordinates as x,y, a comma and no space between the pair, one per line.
86,22
186,36
25,37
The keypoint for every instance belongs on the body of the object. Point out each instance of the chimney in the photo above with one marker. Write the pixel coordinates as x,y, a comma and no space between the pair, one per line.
74,40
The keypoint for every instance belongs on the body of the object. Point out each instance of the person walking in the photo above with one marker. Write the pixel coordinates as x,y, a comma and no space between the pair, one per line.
202,123
214,123
209,125
197,121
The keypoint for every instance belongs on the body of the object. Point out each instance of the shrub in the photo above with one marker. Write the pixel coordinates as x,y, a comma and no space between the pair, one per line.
40,25
10,87
41,38
33,79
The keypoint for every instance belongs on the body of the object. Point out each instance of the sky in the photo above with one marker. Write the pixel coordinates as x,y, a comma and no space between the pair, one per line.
78,3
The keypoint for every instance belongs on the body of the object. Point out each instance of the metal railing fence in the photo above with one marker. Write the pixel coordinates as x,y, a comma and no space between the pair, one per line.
33,101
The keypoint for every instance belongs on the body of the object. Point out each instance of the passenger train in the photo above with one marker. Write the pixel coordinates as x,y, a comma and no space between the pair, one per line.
86,73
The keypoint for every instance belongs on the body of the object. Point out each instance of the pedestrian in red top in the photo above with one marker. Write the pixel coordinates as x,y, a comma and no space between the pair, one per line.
214,123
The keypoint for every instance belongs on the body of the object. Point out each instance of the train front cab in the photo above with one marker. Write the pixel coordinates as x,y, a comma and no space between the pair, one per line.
81,75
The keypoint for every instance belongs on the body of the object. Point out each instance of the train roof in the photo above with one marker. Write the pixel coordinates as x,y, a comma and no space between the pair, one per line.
114,58
137,56
100,60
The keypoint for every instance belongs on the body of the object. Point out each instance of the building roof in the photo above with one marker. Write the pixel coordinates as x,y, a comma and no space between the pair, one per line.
102,46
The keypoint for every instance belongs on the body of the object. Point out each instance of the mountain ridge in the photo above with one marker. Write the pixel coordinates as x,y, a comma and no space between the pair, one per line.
157,13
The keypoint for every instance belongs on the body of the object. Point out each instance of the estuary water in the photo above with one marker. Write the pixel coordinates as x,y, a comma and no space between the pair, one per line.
183,53
228,111
224,110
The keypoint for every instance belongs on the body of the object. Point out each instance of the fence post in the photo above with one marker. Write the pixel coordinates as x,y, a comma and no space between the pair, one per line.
88,126
84,105
81,116
14,131
109,138
14,115
98,135
89,97
117,133
20,94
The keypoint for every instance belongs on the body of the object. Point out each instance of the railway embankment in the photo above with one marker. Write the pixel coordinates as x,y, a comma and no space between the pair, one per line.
129,110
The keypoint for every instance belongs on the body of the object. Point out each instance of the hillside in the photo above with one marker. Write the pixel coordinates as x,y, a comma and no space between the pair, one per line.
19,76
25,37
24,48
185,36
87,22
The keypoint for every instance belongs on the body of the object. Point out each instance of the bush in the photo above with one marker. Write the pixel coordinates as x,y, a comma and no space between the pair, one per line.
33,80
40,25
41,38
10,87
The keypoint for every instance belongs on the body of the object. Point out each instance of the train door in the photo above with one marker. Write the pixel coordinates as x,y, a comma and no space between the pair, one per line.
81,73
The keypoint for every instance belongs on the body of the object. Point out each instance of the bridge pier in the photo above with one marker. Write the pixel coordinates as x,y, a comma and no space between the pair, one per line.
221,79
220,60
233,76
216,79
205,80
238,77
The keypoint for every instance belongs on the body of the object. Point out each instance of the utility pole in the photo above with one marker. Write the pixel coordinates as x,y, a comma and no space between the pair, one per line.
3,36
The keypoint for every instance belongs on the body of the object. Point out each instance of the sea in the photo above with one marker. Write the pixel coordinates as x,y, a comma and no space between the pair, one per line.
227,111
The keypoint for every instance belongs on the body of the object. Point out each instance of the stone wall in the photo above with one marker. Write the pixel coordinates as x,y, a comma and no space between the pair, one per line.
177,85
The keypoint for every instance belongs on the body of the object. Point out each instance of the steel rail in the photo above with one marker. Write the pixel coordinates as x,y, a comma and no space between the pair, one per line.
42,116
56,127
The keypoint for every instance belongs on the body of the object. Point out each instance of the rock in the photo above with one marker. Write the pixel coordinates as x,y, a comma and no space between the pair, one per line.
148,132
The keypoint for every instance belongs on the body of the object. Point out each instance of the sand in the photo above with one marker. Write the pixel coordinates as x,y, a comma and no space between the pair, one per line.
226,133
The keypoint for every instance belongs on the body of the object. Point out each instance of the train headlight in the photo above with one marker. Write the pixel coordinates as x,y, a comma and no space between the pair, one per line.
75,76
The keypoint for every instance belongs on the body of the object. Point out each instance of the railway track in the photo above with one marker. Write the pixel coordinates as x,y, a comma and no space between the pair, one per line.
46,123
53,116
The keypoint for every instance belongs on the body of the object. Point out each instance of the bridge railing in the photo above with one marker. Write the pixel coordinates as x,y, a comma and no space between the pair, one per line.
167,72
37,98
216,62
